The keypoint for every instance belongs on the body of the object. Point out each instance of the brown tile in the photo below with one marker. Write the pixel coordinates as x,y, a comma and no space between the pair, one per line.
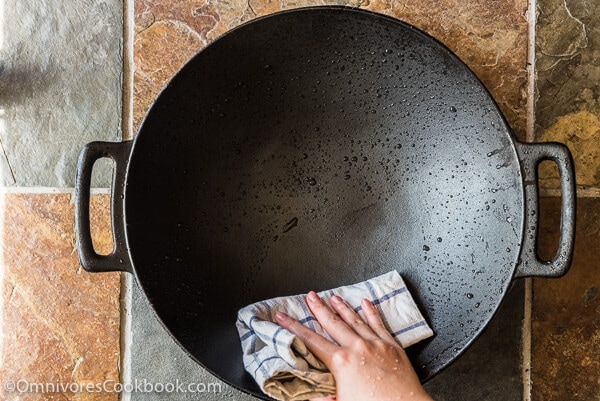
59,323
490,38
580,131
566,312
567,108
159,52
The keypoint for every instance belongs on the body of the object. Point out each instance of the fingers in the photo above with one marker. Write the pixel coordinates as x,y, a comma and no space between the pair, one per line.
331,322
352,318
375,323
316,343
344,327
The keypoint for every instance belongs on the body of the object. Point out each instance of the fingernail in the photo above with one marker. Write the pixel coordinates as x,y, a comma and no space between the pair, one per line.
280,316
312,296
336,300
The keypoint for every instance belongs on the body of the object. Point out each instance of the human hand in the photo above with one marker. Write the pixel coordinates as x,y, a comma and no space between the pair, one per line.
367,363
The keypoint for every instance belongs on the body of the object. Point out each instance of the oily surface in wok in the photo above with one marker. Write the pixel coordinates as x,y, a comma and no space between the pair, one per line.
326,165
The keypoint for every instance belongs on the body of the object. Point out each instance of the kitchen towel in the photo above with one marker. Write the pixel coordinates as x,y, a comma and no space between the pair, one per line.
280,362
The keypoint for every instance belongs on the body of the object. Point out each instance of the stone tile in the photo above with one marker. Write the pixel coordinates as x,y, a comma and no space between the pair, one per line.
59,324
492,40
566,312
60,87
567,85
491,368
157,359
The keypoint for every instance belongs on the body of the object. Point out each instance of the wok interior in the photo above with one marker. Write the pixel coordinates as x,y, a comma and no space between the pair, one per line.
315,149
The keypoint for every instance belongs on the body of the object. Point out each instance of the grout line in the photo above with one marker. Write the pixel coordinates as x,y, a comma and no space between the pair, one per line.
531,71
126,333
49,190
128,69
581,192
530,137
127,132
526,339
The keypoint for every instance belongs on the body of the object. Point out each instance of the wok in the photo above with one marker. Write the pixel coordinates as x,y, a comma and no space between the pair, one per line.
316,148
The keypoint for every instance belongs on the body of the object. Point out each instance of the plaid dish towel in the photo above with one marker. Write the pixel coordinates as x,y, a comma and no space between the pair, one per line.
280,362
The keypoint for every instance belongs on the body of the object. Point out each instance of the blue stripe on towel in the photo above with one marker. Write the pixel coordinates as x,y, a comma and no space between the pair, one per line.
409,328
371,290
246,336
383,298
308,318
268,309
390,295
274,339
264,371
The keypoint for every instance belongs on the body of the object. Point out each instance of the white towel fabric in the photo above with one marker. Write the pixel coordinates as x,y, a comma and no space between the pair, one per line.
280,362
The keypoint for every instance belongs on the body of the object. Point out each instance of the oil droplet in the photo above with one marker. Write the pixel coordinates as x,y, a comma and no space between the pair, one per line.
439,239
312,181
470,296
425,248
453,109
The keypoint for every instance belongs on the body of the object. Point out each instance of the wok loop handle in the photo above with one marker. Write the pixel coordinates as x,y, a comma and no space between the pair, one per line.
531,156
118,259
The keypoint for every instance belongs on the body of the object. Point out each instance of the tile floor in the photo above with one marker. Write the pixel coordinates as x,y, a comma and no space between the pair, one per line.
64,81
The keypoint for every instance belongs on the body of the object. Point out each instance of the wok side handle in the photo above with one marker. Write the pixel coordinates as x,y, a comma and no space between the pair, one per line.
531,156
118,259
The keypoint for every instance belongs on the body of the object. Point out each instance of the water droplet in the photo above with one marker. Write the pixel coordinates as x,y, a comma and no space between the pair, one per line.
290,224
470,296
347,177
312,181
439,239
453,109
425,248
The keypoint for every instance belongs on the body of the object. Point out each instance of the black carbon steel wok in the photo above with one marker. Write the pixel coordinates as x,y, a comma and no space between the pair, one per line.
316,148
